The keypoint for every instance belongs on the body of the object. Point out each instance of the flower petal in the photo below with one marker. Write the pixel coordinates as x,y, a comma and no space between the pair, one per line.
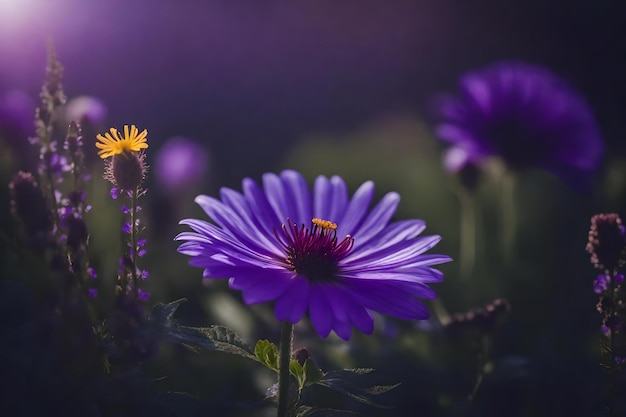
294,302
357,209
297,192
320,311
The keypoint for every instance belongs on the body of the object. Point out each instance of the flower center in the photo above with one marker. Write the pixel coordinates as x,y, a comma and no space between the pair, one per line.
314,252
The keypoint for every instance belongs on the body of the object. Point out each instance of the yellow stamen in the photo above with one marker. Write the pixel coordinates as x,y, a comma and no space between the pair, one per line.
324,224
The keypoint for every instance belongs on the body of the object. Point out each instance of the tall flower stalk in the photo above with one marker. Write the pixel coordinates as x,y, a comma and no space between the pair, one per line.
284,375
607,247
126,170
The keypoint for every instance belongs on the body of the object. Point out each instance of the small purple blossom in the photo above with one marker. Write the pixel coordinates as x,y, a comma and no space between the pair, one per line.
126,228
92,293
601,283
125,209
605,329
525,115
280,243
115,193
92,273
142,295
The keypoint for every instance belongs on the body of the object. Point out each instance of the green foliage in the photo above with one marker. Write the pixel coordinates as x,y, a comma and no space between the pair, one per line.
267,353
212,338
312,373
344,382
297,370
308,411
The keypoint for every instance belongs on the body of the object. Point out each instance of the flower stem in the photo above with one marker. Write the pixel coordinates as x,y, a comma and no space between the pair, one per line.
133,242
467,250
482,358
286,337
509,218
612,365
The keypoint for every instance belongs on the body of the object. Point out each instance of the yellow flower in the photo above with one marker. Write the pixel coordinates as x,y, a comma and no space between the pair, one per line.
113,144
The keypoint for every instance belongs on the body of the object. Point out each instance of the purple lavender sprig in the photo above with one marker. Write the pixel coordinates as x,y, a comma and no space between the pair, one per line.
607,247
59,156
51,163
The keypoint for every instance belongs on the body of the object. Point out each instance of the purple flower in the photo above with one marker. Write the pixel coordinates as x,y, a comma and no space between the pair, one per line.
16,114
86,108
601,283
279,243
524,114
180,163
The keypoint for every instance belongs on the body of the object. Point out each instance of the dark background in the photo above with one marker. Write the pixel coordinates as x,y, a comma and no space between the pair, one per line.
248,78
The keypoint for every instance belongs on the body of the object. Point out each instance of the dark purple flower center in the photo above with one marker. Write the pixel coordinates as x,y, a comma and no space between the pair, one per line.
519,142
314,252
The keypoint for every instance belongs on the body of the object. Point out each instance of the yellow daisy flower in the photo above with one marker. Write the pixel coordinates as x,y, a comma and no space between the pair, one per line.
113,144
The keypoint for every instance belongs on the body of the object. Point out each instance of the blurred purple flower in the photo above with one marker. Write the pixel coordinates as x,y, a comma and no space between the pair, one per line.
180,163
17,111
524,114
279,243
86,108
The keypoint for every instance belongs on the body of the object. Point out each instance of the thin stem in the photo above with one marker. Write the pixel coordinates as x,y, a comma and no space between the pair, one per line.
482,357
612,383
286,336
509,218
467,250
133,242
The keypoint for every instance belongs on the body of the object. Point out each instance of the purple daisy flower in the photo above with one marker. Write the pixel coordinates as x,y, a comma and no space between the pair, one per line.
280,243
524,114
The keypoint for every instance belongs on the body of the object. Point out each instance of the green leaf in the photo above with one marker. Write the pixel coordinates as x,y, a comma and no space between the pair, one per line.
298,371
312,373
308,411
267,353
165,327
344,382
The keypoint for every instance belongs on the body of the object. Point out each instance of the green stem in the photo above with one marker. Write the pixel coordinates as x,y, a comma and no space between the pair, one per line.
133,242
286,336
482,358
613,368
509,218
467,250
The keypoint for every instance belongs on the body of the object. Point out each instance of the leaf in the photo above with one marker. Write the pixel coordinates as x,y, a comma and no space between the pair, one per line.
267,353
312,373
308,411
162,313
215,337
344,382
298,371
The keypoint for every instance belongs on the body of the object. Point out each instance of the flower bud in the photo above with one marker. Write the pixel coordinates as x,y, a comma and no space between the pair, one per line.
126,170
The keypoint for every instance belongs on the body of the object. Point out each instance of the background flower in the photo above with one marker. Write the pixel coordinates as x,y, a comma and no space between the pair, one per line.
338,271
524,114
180,163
